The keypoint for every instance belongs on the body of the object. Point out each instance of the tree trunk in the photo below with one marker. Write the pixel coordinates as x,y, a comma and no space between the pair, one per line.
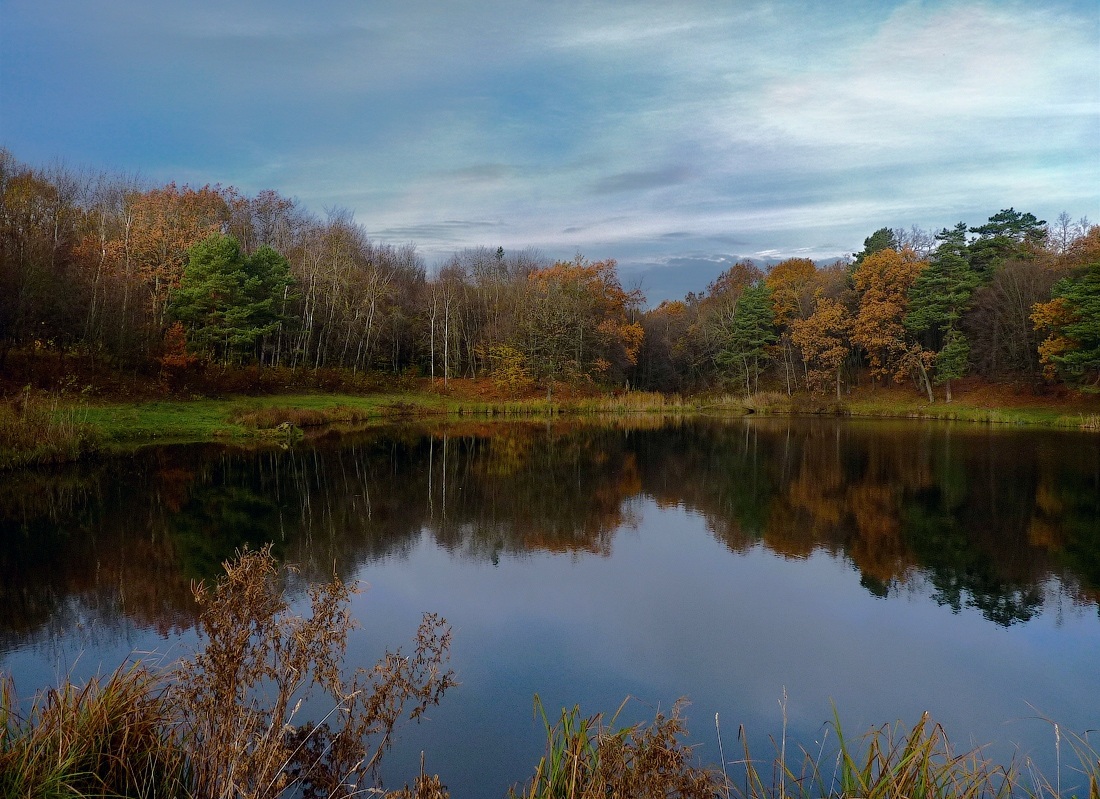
927,383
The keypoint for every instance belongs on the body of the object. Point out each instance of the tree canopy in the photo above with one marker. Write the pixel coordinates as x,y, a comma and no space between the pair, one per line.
227,301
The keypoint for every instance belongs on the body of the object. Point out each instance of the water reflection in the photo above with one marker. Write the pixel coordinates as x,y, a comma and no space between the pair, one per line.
1001,521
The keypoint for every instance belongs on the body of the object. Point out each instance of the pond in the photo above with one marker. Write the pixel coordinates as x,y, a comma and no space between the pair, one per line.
768,569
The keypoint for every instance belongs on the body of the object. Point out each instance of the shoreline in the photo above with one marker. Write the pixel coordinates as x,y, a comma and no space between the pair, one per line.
48,429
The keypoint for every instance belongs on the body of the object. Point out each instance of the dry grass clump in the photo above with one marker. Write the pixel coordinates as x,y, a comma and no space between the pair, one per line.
767,402
37,430
111,737
632,402
587,760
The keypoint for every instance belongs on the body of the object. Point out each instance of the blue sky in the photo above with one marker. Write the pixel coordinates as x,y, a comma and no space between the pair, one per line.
673,137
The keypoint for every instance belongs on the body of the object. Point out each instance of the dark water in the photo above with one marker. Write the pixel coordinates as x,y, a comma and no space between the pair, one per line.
887,568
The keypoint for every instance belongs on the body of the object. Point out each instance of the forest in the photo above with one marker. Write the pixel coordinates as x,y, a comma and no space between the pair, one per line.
169,280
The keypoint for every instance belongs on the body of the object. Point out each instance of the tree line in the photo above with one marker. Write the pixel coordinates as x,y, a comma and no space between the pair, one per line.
133,276
1013,298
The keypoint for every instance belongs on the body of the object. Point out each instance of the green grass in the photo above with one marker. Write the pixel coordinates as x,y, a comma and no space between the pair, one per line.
112,425
38,430
963,412
247,417
896,406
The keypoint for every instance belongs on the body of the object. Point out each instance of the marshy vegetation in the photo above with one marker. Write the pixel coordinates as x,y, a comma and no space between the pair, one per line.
38,429
225,723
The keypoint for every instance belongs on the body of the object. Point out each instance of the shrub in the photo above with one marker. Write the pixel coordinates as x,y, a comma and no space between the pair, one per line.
238,745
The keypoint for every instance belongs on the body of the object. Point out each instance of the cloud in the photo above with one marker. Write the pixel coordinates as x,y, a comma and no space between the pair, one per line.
446,230
640,181
645,131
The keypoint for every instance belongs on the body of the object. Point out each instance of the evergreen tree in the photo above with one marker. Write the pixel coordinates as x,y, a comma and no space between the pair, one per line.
744,347
952,361
229,302
937,300
881,239
1008,234
1078,326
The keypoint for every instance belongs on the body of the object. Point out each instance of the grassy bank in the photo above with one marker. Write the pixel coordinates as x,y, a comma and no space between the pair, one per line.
974,403
41,429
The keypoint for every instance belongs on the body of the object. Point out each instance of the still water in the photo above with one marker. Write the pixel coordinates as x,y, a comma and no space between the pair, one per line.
883,568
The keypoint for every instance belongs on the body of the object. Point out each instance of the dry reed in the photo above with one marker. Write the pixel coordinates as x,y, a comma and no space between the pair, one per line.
110,737
37,429
585,759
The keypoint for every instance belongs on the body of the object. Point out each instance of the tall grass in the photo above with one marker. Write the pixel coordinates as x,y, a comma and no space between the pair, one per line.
37,429
918,763
632,402
586,759
110,737
274,416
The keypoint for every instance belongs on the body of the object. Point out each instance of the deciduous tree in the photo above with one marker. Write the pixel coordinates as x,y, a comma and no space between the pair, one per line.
824,340
883,281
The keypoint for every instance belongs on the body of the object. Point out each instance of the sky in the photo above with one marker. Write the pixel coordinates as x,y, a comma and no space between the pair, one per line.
674,137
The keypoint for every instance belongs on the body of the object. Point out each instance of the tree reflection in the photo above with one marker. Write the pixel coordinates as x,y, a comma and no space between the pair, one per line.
975,518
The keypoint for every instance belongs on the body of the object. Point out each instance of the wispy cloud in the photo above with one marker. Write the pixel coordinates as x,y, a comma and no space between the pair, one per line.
645,131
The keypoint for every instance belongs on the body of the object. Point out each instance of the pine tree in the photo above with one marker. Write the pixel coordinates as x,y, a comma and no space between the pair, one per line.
745,346
228,302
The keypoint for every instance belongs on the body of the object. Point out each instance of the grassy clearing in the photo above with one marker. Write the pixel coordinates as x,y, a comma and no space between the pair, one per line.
249,417
52,431
205,419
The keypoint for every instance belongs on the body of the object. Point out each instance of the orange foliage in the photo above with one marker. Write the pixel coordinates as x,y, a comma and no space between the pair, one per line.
166,223
174,355
883,280
823,339
592,300
1053,316
791,283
